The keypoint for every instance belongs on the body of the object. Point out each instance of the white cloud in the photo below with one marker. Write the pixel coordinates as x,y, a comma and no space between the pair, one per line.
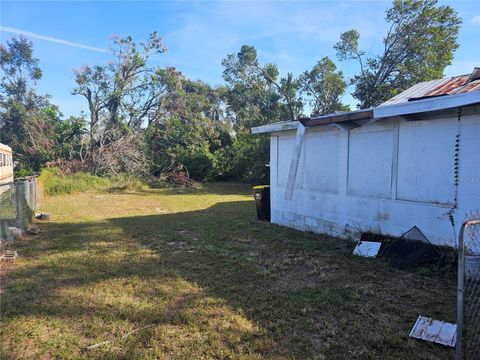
49,38
476,19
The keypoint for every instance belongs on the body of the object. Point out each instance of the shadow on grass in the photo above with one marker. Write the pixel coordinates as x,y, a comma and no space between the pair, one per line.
301,294
217,188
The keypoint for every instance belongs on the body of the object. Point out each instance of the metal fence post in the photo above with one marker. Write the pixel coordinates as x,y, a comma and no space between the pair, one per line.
34,207
460,286
26,192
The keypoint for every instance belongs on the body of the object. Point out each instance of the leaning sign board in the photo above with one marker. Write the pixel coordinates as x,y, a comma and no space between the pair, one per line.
367,248
436,331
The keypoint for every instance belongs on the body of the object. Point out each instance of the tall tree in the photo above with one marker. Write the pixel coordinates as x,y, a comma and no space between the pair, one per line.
20,70
324,87
254,94
124,91
123,96
27,120
418,46
189,127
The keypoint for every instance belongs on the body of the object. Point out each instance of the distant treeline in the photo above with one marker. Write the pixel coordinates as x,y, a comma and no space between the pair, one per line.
153,123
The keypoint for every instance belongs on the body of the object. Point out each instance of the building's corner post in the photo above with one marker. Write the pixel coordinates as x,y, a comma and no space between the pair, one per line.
297,150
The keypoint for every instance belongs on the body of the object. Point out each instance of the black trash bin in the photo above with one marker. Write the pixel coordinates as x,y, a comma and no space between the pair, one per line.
261,194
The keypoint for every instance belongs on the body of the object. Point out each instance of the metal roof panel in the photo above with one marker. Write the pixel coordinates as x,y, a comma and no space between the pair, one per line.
448,86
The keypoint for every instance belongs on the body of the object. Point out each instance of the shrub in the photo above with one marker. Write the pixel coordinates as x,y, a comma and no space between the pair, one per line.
244,159
197,159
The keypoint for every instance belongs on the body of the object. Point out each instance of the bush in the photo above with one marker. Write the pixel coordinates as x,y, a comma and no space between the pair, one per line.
244,159
54,183
23,173
197,159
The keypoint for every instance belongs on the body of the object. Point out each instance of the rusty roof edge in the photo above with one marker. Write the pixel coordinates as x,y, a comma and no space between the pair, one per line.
427,105
406,108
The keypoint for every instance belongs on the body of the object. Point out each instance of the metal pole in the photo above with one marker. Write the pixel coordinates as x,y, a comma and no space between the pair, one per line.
34,194
460,286
26,190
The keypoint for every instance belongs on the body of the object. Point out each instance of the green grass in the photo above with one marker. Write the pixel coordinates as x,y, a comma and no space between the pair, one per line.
7,203
7,210
55,184
190,273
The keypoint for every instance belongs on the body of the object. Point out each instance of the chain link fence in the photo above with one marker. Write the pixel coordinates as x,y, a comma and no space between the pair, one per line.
468,292
18,202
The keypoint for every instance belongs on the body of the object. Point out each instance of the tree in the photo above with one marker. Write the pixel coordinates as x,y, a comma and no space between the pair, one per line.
27,120
20,71
70,137
254,94
154,117
125,91
324,86
123,96
418,46
189,127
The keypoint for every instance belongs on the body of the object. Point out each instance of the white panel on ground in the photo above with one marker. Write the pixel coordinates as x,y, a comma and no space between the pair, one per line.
370,163
367,248
436,331
426,155
321,161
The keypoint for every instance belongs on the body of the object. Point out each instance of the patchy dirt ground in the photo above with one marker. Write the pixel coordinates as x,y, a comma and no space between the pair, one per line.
182,274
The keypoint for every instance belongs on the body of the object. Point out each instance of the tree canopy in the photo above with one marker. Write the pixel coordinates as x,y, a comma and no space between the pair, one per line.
28,122
324,87
419,44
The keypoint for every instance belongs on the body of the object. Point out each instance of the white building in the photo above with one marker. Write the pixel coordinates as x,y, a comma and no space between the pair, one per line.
413,161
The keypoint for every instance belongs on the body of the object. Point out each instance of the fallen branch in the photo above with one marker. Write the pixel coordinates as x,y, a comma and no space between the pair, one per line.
134,331
94,346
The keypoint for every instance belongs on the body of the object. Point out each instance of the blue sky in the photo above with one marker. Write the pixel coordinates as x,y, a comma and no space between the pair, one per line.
199,34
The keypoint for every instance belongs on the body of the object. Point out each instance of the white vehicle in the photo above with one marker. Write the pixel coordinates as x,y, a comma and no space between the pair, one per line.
6,164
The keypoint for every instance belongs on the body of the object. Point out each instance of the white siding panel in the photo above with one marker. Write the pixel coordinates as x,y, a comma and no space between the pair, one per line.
344,215
284,157
321,161
426,161
370,163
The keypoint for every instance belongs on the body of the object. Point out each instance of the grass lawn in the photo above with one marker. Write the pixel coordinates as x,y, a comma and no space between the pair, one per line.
190,274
